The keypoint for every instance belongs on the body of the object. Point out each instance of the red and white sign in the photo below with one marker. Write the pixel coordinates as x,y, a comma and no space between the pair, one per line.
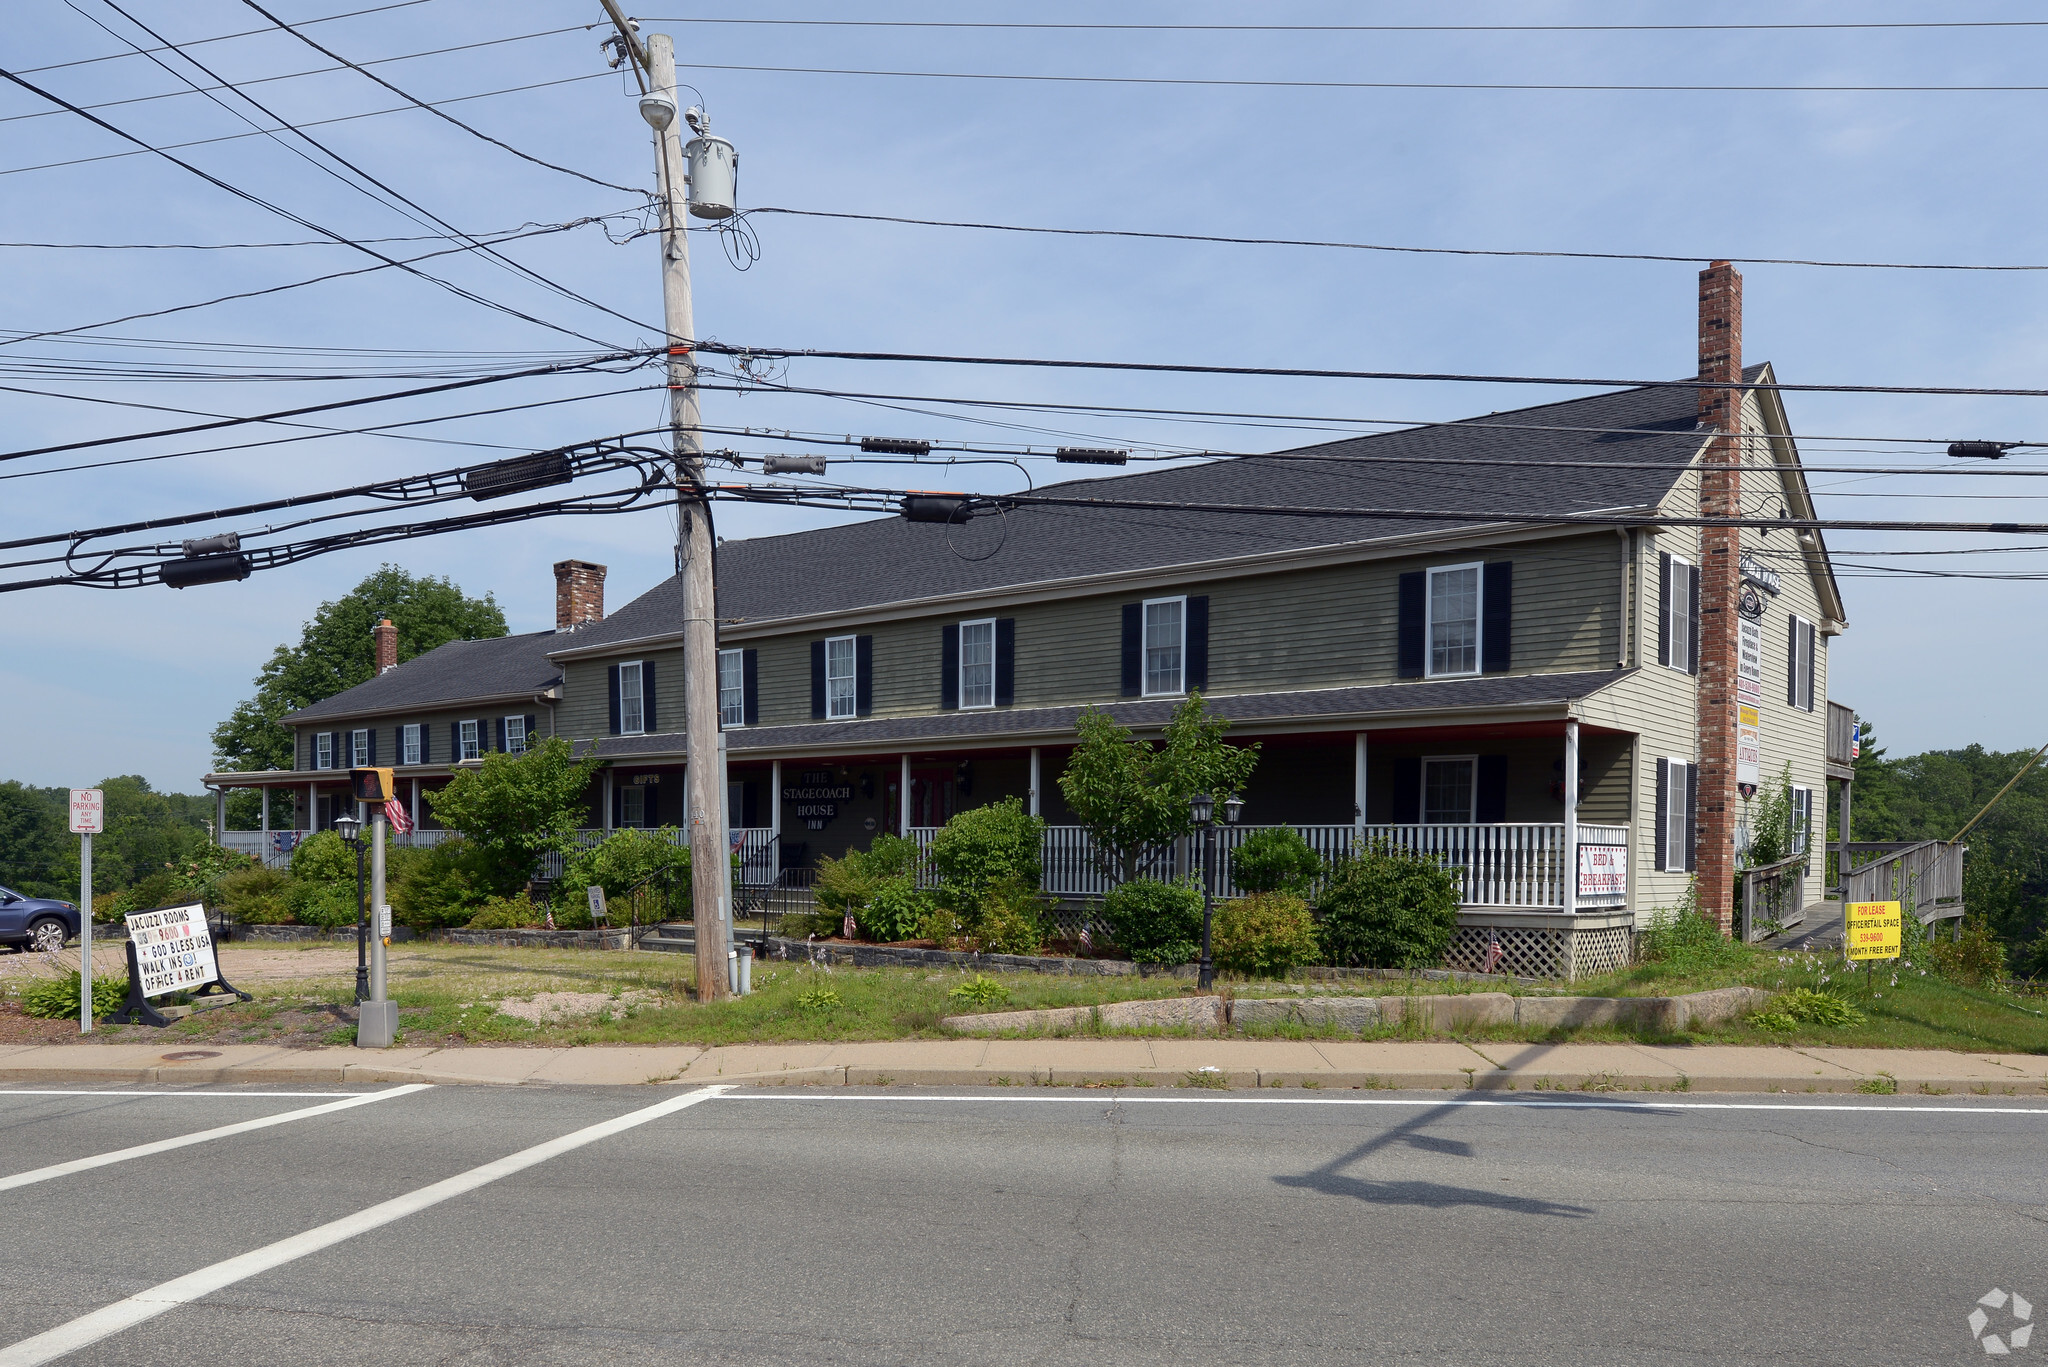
88,811
173,949
1603,870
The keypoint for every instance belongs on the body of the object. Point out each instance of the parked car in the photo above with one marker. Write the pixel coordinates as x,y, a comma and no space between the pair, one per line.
41,923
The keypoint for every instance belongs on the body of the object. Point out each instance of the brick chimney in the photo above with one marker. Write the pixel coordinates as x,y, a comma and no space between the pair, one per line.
579,594
386,637
1720,583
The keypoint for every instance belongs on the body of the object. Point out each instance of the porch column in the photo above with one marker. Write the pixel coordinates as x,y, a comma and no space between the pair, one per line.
903,798
265,828
1358,779
1034,781
1842,858
610,787
220,816
1571,816
415,809
775,804
312,820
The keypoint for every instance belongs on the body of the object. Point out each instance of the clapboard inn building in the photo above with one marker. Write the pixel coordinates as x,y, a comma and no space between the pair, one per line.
1432,681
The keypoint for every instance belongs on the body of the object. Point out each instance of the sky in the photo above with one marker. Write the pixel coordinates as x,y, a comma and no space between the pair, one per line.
133,681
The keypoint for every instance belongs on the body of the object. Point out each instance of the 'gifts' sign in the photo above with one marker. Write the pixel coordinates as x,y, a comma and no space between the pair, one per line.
173,951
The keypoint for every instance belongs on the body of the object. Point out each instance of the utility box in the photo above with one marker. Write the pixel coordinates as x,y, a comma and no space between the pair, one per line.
714,176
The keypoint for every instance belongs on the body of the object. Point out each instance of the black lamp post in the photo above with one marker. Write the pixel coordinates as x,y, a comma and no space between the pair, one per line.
350,830
1202,808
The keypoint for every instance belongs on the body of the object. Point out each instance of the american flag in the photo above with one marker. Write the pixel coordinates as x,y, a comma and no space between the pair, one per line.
400,819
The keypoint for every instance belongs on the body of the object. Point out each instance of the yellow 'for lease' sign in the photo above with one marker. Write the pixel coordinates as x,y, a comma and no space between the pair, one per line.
1872,930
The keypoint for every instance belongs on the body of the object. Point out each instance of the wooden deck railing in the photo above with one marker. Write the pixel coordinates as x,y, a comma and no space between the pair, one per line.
1928,875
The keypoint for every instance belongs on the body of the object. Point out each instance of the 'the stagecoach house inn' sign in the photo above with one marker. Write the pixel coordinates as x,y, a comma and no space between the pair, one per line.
173,951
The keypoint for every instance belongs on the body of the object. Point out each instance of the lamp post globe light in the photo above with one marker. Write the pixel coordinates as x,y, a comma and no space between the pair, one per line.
350,829
1202,810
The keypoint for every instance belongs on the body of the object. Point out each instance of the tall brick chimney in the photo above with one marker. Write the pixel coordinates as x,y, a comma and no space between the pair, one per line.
386,637
579,594
1720,583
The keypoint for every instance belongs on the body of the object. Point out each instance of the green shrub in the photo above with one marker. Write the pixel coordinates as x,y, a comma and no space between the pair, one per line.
1387,908
325,904
1010,919
505,913
818,1000
1817,1008
893,910
985,846
1275,859
1265,934
435,886
322,857
980,991
1155,922
255,896
850,882
1975,960
1685,941
940,924
57,998
621,862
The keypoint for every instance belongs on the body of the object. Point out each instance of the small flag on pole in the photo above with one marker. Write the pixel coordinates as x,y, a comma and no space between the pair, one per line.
400,819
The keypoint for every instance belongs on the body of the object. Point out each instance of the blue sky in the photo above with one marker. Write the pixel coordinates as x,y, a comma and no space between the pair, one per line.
134,681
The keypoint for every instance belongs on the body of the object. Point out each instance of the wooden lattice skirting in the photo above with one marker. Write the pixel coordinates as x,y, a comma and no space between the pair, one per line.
1541,952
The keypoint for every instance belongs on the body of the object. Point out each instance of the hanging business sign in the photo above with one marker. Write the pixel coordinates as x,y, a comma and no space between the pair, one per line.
1762,576
1749,663
1749,747
173,949
1603,870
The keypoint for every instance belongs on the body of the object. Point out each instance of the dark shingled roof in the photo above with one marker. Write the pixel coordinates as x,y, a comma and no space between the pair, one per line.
1308,706
886,560
449,674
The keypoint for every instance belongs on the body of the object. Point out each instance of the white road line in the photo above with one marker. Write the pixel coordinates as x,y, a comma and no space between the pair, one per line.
23,1179
146,1305
1125,1094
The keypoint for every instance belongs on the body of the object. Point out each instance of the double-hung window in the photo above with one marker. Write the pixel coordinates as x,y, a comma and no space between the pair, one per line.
1674,814
632,709
467,741
841,670
1802,819
1678,634
978,663
323,750
732,688
1165,645
359,748
1453,622
1448,789
1799,664
515,735
409,743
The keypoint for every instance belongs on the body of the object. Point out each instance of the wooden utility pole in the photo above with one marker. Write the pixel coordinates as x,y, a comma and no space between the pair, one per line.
710,866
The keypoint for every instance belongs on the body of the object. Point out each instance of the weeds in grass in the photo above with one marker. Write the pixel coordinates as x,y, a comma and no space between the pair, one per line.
1206,1077
818,1000
981,991
1884,1084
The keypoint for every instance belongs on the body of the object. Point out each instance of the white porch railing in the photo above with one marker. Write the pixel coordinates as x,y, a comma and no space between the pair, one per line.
275,848
760,855
1509,864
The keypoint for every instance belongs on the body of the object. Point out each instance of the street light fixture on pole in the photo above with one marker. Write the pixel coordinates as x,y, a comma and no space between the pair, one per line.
1202,809
351,832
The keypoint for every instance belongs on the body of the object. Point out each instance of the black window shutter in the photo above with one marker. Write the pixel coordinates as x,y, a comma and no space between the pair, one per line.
1692,816
1692,619
1806,663
1134,650
1491,798
1663,862
817,681
373,745
1497,618
650,806
454,741
1407,788
340,756
499,726
750,688
1195,667
612,679
949,667
1408,634
1791,662
1006,661
647,722
863,675
1663,612
530,720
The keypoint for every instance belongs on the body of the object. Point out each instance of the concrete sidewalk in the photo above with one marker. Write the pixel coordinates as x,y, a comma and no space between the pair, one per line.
1071,1062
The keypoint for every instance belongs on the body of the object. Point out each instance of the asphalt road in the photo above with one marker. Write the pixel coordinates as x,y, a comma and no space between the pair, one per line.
1038,1225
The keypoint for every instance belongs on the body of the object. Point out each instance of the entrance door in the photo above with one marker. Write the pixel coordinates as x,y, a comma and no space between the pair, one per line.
934,795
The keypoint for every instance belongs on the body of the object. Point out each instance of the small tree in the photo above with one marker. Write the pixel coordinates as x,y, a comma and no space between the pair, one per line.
1132,794
516,808
1773,824
1388,908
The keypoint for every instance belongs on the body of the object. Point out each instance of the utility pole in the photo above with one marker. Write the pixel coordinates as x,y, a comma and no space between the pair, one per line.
710,882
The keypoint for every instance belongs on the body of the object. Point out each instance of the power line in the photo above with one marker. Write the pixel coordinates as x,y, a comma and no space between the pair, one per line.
1216,82
1383,247
169,46
223,37
300,411
282,212
1300,372
332,55
309,123
1356,28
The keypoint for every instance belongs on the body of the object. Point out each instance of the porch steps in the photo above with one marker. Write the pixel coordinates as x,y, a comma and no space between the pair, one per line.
671,937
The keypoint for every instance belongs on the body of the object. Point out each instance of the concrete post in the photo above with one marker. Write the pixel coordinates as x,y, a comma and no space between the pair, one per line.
903,800
1034,783
1571,816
